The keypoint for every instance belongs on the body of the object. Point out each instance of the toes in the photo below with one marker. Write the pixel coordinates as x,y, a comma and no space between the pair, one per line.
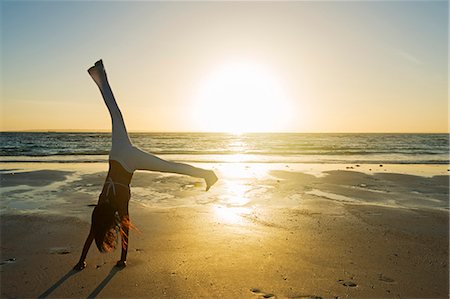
99,63
211,180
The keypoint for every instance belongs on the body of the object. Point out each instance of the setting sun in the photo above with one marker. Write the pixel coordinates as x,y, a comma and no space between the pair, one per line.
242,97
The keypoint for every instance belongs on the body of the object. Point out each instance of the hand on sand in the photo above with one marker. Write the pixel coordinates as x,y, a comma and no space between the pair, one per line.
121,264
210,179
80,266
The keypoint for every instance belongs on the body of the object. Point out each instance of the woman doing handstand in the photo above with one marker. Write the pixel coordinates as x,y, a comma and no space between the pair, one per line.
111,213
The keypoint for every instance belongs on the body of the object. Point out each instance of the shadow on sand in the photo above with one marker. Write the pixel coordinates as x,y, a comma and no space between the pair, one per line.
104,283
72,272
58,283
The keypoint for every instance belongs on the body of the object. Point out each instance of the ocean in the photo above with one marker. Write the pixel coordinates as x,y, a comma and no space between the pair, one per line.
334,148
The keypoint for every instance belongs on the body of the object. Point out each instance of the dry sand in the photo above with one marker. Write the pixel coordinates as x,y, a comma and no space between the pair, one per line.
286,234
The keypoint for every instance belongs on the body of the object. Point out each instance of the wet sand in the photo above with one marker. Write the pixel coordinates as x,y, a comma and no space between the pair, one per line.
282,234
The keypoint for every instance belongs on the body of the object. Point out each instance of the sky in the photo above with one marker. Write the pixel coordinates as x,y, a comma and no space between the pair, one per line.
304,66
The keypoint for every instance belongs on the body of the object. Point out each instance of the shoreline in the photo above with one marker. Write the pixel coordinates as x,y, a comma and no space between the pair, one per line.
316,168
240,184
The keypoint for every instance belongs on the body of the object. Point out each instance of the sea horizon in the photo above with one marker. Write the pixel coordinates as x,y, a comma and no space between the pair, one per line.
216,132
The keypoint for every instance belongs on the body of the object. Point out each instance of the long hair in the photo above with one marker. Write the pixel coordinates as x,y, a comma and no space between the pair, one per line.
105,225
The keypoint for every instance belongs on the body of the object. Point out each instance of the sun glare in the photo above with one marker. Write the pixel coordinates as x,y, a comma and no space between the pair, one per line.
232,203
242,97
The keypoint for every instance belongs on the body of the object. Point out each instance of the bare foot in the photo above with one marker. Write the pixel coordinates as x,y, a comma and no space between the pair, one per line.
210,179
121,264
97,72
80,266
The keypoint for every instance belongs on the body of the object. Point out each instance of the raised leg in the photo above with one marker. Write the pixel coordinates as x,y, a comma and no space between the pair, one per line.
120,137
82,262
145,161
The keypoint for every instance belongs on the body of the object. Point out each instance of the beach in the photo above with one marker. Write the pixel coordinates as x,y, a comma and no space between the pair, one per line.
263,231
272,149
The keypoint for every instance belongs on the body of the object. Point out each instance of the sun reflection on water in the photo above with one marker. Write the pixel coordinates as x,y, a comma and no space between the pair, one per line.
233,203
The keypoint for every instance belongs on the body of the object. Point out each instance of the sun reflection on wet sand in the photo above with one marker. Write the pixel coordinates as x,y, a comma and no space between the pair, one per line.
234,193
233,202
231,215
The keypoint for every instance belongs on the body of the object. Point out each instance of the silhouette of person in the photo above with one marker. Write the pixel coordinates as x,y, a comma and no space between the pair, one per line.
110,217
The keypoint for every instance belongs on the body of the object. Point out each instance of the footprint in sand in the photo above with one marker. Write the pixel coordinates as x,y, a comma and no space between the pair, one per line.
385,279
8,261
305,297
59,250
261,294
347,283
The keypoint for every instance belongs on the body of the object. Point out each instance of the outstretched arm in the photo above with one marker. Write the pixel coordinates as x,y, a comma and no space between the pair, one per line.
125,224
